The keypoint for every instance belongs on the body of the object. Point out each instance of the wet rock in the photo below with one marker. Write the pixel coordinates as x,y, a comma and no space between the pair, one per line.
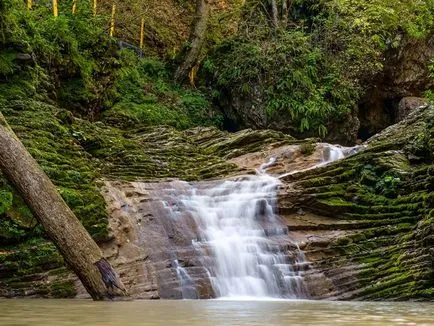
366,224
261,209
409,104
405,74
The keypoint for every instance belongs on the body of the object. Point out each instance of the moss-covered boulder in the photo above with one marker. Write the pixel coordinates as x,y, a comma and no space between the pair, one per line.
383,198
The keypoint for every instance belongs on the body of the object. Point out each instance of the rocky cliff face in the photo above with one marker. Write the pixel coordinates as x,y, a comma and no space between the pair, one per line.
405,74
77,155
365,223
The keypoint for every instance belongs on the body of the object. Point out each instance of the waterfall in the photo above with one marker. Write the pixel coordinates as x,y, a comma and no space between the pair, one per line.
242,241
213,238
188,288
237,233
333,153
223,238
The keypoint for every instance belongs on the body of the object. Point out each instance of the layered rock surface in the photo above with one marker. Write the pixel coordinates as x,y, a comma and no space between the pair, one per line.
365,222
77,155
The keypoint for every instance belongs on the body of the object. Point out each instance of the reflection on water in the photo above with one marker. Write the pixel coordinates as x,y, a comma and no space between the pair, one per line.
213,312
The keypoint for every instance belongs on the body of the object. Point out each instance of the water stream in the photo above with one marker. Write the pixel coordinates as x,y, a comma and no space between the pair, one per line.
242,242
188,287
237,224
237,229
219,238
244,247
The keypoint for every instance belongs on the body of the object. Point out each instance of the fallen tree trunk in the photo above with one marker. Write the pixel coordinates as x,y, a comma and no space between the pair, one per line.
77,247
196,40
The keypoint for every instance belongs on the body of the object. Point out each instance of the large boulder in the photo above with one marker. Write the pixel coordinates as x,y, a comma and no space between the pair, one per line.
407,105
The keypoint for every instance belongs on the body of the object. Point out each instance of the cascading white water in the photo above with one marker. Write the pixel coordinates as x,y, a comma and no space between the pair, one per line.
330,154
242,243
333,153
236,224
188,288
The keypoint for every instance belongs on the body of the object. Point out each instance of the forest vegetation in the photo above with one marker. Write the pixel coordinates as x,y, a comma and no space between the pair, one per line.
80,99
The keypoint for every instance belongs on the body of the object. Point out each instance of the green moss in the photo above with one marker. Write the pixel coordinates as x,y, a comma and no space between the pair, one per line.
335,201
33,256
143,94
307,148
387,196
63,290
5,201
76,154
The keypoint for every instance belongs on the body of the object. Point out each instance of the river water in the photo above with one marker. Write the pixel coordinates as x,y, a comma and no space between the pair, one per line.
212,312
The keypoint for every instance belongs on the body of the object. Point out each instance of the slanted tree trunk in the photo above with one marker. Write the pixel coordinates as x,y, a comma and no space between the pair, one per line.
77,247
285,12
274,13
196,40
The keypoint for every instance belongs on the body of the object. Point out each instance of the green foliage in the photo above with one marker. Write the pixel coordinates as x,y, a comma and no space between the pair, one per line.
315,66
307,148
293,77
388,185
429,94
11,232
71,60
5,201
382,184
68,59
144,94
81,59
356,34
31,257
19,76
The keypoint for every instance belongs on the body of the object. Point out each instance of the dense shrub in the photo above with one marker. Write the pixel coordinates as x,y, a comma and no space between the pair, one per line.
143,93
72,61
315,65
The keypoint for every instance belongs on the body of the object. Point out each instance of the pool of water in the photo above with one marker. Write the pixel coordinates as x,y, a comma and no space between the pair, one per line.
17,312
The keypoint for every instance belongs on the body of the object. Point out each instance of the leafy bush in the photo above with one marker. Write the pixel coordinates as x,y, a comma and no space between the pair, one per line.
356,34
68,59
315,66
294,77
75,63
144,94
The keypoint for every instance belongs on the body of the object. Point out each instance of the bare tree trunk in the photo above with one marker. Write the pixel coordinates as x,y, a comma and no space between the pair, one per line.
274,13
73,241
197,38
285,12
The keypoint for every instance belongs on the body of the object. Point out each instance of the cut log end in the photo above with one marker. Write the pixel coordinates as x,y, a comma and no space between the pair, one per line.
111,279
